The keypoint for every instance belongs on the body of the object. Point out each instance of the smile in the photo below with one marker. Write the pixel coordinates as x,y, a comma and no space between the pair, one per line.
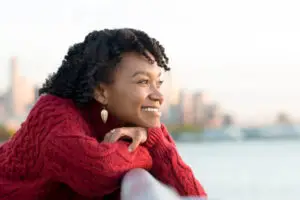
151,109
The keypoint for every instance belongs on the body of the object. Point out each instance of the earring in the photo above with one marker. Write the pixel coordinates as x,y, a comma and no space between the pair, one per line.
104,115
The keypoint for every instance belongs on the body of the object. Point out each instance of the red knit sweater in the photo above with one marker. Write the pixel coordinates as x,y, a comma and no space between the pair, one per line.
58,154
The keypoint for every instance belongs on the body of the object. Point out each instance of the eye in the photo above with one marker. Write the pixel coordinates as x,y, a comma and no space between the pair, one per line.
144,82
160,83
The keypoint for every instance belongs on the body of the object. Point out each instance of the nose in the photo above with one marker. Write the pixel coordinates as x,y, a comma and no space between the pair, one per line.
156,95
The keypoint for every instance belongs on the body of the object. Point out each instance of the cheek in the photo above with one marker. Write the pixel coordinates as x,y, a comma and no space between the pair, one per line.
135,98
129,100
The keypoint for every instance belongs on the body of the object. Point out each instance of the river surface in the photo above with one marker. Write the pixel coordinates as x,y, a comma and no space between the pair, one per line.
265,170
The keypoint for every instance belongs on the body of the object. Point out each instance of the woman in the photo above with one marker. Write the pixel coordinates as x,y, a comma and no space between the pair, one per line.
98,117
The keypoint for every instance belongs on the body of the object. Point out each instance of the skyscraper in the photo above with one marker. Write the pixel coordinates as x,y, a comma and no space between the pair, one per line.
186,104
21,93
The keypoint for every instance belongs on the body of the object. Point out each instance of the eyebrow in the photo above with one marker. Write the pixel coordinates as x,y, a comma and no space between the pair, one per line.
144,73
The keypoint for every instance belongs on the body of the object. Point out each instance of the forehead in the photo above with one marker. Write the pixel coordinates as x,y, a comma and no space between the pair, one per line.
133,62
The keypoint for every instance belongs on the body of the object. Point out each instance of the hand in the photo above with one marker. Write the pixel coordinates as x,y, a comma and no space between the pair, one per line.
138,136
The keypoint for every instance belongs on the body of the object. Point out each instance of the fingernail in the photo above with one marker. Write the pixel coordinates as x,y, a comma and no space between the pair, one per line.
130,149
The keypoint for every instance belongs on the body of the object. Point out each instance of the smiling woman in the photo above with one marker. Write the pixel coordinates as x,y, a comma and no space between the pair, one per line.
97,118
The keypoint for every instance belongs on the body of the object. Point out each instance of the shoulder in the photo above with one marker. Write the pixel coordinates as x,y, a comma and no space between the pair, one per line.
53,106
52,111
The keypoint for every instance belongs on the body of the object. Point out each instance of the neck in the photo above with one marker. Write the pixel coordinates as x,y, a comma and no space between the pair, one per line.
92,115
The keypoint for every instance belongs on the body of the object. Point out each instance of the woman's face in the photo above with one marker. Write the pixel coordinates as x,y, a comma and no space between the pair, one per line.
134,97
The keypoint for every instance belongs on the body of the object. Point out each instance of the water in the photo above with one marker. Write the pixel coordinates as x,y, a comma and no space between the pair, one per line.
246,170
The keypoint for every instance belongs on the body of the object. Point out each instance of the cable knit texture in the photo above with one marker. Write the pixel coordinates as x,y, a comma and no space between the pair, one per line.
168,166
58,154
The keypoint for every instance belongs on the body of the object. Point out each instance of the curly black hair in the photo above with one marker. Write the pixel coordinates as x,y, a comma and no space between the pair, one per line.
93,61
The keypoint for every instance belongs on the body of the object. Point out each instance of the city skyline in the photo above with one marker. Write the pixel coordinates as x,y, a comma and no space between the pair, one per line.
248,62
187,109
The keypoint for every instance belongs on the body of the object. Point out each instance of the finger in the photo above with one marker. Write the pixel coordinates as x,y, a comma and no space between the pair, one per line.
108,136
116,135
135,143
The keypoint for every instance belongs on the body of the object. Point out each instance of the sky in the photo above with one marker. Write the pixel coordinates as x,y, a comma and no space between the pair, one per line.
244,54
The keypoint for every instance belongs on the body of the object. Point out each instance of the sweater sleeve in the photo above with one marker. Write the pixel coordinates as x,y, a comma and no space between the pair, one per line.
168,166
90,168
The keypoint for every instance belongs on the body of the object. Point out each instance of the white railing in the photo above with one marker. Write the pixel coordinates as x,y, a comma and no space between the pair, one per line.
138,184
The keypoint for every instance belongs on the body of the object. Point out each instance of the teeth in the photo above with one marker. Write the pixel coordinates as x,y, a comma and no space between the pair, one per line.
150,109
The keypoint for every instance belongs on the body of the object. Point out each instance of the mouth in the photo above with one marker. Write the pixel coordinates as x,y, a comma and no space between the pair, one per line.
150,109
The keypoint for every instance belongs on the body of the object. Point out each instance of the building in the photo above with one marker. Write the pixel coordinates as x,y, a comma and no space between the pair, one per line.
186,105
227,120
199,108
213,115
21,91
18,99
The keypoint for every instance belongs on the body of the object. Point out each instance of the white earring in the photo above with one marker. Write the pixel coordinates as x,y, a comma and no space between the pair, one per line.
104,115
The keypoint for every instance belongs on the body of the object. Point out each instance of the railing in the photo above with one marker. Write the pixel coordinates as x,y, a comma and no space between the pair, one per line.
138,184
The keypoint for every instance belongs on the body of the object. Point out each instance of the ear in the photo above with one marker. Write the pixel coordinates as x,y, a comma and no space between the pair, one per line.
101,94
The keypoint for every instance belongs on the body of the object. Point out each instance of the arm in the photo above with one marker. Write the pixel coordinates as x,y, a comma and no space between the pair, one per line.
169,167
90,168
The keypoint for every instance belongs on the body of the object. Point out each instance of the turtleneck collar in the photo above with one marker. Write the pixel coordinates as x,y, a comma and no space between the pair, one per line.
92,114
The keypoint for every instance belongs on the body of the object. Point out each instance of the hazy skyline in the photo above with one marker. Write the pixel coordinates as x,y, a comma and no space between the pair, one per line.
245,54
